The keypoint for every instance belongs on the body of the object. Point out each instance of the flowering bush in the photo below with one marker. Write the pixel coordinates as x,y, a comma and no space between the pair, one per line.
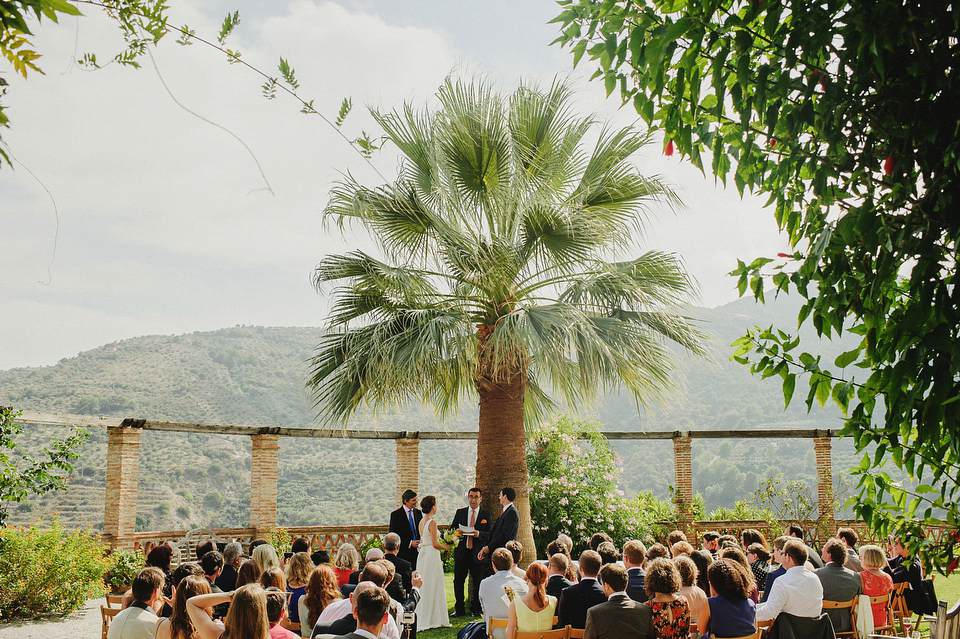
123,566
573,489
279,538
48,571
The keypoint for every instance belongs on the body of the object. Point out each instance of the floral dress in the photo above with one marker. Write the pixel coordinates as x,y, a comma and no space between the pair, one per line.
671,619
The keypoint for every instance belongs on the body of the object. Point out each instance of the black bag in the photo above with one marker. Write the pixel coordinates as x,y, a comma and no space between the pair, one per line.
473,630
924,598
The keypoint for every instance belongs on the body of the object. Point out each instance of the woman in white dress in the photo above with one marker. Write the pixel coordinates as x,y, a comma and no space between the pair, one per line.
432,609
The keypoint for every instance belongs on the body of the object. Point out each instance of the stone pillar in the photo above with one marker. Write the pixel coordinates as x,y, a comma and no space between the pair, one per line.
263,483
120,498
408,465
683,480
821,449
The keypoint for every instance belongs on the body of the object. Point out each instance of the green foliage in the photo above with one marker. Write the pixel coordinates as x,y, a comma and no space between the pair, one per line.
51,571
103,405
742,510
213,500
123,566
21,476
844,114
573,488
280,539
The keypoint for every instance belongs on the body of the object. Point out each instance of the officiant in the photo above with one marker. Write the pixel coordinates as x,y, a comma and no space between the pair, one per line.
472,524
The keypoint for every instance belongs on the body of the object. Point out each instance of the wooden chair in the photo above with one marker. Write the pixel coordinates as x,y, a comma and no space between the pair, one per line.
575,633
755,635
496,622
114,601
561,633
886,600
106,616
840,605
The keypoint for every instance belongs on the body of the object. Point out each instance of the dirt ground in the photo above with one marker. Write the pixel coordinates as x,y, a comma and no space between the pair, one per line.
83,624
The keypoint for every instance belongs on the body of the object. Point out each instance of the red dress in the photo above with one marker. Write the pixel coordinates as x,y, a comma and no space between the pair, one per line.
671,619
874,585
343,575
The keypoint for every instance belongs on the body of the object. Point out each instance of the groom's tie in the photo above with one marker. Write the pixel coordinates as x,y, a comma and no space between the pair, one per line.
413,526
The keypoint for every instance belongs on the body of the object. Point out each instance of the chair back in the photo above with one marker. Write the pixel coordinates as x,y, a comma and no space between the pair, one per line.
495,622
106,616
561,633
114,601
887,601
575,633
841,605
755,635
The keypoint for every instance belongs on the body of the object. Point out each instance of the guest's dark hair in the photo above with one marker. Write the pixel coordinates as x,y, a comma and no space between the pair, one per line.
599,538
204,547
502,559
656,551
557,546
375,572
516,550
320,557
849,535
427,503
160,557
836,550
248,573
184,570
509,493
702,559
372,605
710,535
662,577
735,554
211,562
675,536
615,576
725,540
729,579
753,536
761,552
796,550
300,544
795,531
276,602
608,553
146,582
259,541
590,563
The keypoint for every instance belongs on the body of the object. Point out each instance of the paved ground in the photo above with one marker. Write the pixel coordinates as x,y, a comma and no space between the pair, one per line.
84,624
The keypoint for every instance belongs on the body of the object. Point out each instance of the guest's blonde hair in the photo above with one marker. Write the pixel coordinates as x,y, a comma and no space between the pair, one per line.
265,557
873,556
247,615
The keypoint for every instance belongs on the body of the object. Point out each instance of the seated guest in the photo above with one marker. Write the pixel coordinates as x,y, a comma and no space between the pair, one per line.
232,558
619,617
839,583
300,544
710,541
179,626
212,564
903,569
276,611
681,548
321,590
734,553
656,551
204,547
753,536
247,574
375,573
576,600
634,556
391,544
702,559
599,538
159,557
759,559
516,551
138,620
559,546
533,611
695,596
875,581
729,612
247,618
670,613
850,539
812,555
265,557
674,536
777,572
608,553
798,592
273,578
370,614
298,573
345,562
492,590
556,570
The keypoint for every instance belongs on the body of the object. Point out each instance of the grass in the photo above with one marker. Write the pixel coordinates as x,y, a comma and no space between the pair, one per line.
948,589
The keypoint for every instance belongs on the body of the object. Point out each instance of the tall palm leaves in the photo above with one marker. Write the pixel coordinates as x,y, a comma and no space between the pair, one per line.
496,279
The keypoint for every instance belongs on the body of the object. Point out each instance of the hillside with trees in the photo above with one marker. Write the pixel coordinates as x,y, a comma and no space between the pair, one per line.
255,376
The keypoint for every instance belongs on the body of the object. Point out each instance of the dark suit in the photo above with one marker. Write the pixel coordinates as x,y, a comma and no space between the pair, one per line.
635,589
556,585
576,600
771,577
404,570
341,627
619,618
465,559
504,530
400,524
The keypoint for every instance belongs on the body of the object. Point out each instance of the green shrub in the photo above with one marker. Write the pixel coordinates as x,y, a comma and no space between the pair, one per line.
123,566
279,538
48,571
573,489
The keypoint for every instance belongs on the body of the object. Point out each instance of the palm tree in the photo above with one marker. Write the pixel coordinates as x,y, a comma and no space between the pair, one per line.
497,279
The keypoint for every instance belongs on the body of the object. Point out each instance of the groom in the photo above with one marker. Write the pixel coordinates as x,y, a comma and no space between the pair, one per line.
464,556
405,521
507,524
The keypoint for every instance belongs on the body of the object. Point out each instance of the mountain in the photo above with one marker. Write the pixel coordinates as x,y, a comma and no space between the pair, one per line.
254,376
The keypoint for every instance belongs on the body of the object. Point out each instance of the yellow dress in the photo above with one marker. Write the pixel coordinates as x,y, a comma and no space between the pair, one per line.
530,621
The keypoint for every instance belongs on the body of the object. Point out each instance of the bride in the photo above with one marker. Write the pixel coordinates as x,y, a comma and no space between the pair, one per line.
432,609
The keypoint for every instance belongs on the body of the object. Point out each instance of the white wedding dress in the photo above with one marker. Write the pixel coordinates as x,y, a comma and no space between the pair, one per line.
432,609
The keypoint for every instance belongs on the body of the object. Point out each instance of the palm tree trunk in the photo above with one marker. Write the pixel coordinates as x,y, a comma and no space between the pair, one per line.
501,452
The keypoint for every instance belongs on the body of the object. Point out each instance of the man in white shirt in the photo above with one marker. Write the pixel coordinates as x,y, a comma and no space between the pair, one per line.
492,590
138,620
374,575
798,591
371,608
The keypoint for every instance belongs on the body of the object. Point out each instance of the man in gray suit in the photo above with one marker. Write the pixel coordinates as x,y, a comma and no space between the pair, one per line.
839,583
620,617
371,606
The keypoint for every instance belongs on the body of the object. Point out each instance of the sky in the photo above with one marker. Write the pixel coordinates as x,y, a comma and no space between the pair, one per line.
175,198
